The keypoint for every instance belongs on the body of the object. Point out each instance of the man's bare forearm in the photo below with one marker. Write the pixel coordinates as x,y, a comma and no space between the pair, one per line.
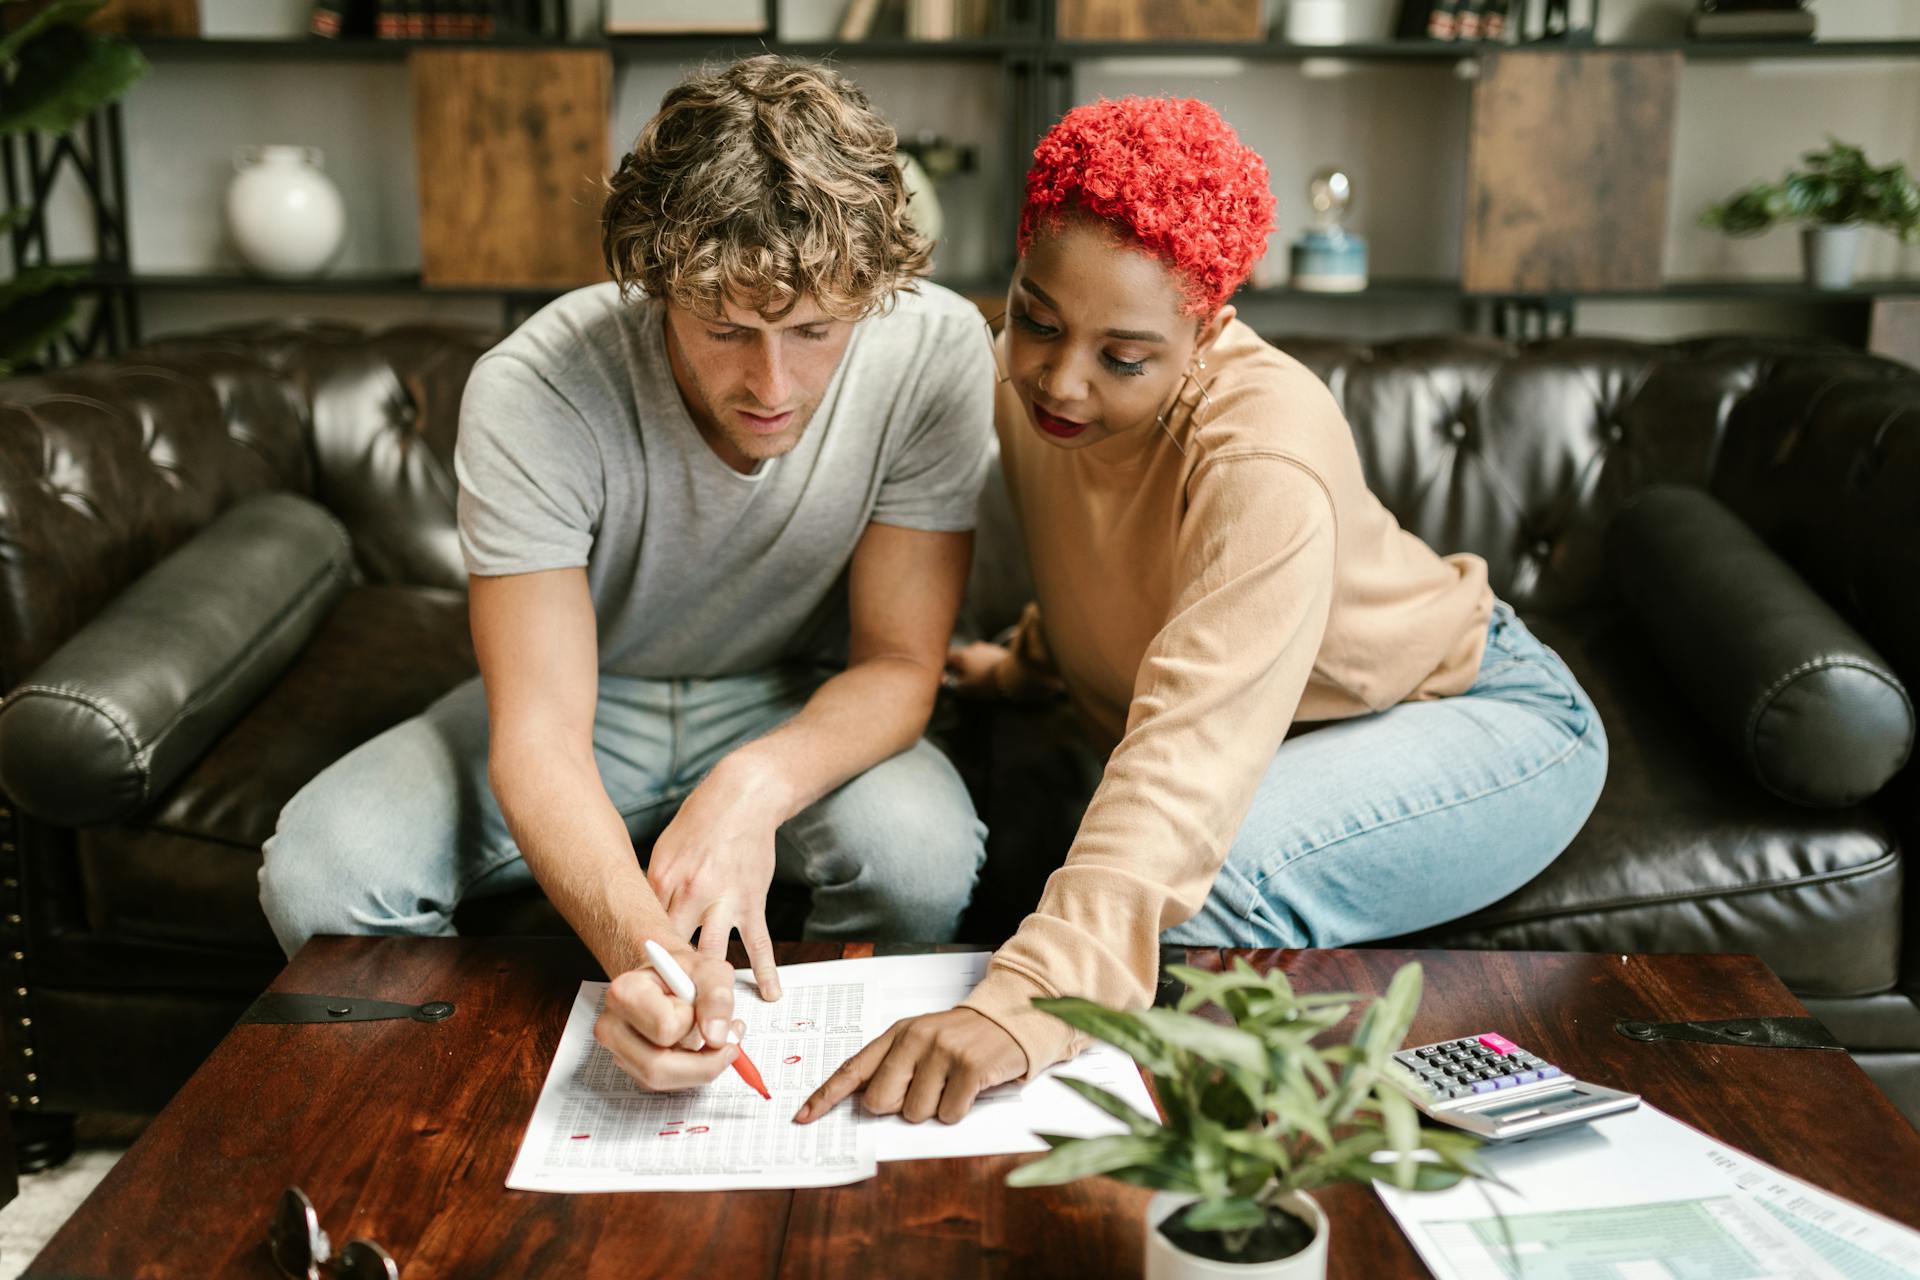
870,712
575,842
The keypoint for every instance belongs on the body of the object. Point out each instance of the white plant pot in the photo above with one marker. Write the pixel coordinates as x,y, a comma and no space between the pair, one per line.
1830,252
1165,1261
1316,22
285,215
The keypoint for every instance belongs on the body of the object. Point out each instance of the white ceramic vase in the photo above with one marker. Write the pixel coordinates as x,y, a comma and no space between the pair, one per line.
285,215
1167,1262
1830,253
1316,22
923,203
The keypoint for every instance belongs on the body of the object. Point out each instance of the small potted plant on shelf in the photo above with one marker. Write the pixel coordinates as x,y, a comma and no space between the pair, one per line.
1838,192
1258,1116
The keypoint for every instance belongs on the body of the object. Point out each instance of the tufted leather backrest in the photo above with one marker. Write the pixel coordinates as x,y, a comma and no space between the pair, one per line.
1521,454
106,468
383,410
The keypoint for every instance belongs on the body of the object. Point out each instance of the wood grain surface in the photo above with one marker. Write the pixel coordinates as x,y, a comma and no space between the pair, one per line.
1894,330
511,146
1568,159
148,18
404,1131
1162,20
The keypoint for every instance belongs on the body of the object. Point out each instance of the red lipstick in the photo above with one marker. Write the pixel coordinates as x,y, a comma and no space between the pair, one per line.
1055,425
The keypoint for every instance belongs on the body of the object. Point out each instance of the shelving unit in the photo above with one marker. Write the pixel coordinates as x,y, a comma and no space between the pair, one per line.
669,48
1038,70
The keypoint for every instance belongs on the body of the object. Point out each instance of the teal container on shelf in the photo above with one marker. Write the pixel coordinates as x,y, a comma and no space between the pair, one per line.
1328,260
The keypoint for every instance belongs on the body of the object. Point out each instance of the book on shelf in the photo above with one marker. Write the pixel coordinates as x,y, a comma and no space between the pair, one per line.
342,19
412,19
857,19
1453,20
1751,24
931,19
669,17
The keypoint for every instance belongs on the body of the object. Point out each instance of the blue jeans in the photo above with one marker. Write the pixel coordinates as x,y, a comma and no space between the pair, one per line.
1380,825
392,836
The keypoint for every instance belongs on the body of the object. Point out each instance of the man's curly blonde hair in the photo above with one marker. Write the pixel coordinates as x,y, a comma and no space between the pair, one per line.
765,182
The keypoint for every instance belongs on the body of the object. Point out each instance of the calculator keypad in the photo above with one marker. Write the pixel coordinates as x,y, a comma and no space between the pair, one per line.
1477,1064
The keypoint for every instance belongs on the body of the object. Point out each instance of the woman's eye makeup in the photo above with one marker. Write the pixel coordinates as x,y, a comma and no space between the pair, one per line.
1032,326
1125,368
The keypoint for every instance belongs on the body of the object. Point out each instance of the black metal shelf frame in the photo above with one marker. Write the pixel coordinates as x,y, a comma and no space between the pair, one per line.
671,47
95,154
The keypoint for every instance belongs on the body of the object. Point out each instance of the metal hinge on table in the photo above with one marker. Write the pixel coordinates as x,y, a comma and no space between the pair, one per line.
289,1007
1763,1033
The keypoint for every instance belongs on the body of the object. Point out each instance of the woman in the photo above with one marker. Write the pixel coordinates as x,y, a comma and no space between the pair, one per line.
1210,569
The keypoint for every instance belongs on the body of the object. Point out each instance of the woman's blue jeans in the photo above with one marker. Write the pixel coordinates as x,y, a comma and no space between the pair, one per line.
1388,823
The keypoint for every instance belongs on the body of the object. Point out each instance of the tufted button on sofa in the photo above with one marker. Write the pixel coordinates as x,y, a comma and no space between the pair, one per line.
246,539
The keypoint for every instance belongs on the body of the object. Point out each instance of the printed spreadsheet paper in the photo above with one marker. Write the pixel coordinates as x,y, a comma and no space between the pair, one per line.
1643,1196
594,1130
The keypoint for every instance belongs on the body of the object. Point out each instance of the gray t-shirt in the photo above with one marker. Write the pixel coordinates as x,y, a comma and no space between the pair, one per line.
575,448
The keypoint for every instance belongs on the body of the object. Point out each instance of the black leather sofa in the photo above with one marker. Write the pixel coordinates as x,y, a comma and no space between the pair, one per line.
136,805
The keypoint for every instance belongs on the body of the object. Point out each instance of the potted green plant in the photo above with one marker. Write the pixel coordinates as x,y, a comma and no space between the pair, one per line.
54,73
1258,1116
1837,192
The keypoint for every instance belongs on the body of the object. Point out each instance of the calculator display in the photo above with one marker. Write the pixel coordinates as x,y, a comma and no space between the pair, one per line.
1534,1103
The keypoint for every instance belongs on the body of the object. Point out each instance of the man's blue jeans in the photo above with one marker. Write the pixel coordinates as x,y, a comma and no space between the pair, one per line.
1380,825
391,837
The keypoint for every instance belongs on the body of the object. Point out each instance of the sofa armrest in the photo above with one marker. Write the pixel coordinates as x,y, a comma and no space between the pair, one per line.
118,712
1810,708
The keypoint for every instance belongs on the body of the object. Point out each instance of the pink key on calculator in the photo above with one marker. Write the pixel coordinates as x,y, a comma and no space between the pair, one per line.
1498,1043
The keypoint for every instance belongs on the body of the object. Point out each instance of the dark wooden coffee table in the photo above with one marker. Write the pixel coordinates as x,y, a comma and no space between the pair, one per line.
404,1131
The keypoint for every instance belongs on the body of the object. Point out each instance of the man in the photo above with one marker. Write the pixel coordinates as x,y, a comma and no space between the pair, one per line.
673,506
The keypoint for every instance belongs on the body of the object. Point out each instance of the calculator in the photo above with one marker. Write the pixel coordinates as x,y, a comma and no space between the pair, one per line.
1494,1089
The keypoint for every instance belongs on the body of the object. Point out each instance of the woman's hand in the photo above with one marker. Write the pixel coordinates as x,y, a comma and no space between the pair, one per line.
970,669
932,1065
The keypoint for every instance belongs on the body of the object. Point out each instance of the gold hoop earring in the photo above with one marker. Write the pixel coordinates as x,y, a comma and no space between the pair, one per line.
1194,377
1206,399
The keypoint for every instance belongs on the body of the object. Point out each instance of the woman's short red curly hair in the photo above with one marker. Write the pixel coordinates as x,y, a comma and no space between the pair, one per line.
1168,173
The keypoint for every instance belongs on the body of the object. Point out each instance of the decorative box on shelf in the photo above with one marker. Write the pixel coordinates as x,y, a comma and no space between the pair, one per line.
684,17
1242,20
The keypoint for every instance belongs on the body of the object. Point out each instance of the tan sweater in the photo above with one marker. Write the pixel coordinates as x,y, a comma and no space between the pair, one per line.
1196,605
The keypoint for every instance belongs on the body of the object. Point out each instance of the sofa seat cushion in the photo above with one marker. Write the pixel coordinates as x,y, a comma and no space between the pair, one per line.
1686,853
185,871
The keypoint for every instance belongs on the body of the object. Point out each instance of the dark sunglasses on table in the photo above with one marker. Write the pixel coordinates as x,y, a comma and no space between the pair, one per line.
300,1248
